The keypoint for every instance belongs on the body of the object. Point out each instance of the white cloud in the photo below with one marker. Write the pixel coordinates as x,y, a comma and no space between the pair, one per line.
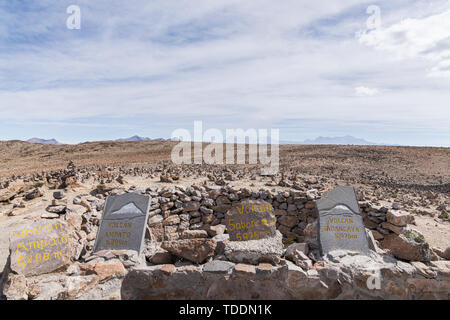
366,92
427,37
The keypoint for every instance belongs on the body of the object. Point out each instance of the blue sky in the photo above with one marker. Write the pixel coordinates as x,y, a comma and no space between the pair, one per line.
150,67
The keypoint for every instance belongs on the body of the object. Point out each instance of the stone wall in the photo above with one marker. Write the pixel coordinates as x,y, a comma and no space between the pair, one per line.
174,210
341,275
187,254
199,211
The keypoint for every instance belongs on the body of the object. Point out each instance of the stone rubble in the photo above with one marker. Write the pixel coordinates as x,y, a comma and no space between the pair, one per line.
188,254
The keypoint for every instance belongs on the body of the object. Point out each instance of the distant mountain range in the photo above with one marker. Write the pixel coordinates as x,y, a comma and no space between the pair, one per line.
134,138
345,140
138,138
43,141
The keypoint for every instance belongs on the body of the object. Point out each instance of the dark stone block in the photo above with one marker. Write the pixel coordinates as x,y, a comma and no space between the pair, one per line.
340,222
123,223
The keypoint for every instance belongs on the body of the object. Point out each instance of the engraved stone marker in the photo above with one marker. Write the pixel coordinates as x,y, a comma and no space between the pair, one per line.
123,223
340,222
40,247
251,220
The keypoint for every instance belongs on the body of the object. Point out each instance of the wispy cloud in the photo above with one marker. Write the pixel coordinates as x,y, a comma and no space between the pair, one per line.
366,92
427,37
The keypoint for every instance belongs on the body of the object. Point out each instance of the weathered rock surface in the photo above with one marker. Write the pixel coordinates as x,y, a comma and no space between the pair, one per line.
218,266
41,247
232,269
195,250
35,193
297,253
406,246
194,234
251,219
7,195
255,251
399,218
446,254
343,275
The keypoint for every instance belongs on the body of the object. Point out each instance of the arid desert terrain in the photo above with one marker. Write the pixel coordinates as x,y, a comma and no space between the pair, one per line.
411,181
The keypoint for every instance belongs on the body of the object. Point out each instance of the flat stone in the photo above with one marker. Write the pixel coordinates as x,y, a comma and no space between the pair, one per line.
442,266
191,206
56,202
312,273
399,218
372,243
303,247
377,235
123,223
6,195
218,266
251,220
41,247
206,210
406,248
446,253
264,267
171,220
222,208
156,233
245,269
56,209
188,269
221,200
221,237
288,221
156,219
393,228
423,269
213,187
340,222
296,254
208,219
255,251
195,250
279,212
35,193
162,257
58,194
49,215
167,269
109,269
216,230
193,234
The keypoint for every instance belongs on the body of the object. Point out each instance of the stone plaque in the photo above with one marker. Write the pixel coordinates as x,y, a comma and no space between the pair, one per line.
123,223
251,220
40,247
340,222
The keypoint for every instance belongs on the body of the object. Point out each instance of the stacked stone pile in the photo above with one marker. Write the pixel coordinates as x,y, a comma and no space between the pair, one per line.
174,210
